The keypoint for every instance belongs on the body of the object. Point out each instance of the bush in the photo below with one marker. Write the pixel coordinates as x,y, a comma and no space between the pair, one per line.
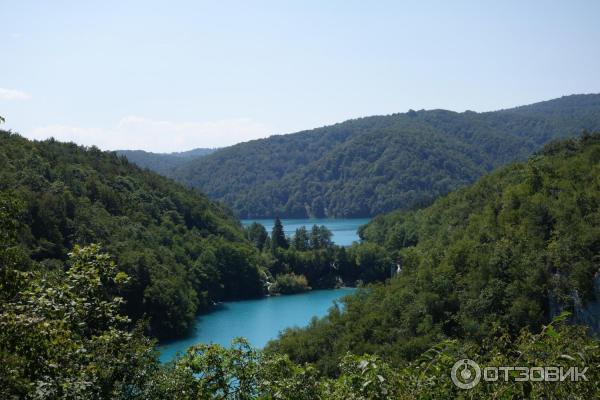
289,284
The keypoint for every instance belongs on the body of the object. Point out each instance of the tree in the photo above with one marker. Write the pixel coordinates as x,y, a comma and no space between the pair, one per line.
63,335
371,260
300,241
320,237
346,269
257,234
289,284
278,239
12,257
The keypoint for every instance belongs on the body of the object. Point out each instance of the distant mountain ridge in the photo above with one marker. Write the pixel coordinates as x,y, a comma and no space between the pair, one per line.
366,166
163,163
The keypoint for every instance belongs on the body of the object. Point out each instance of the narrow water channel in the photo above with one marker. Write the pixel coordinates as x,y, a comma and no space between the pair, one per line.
257,320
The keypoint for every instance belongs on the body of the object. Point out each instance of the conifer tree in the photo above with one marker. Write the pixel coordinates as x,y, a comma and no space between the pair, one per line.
278,236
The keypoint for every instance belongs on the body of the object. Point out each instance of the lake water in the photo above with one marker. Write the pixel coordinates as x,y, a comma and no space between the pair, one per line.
344,229
257,320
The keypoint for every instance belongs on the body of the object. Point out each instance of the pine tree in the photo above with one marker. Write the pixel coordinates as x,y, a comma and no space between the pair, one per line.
278,236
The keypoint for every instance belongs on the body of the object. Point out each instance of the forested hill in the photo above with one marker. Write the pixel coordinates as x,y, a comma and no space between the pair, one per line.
371,165
181,251
162,163
507,252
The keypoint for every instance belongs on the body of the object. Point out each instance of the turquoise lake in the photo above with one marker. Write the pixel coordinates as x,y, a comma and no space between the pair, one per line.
344,229
257,320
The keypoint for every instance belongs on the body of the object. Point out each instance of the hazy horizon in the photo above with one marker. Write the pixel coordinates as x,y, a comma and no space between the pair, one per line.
174,77
363,116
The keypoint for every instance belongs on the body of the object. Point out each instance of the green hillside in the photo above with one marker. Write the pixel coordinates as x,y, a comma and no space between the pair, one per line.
372,165
508,252
181,251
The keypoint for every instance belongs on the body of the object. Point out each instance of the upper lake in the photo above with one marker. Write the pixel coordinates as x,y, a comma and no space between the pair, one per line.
344,229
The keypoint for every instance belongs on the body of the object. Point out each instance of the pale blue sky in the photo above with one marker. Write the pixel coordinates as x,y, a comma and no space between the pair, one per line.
173,75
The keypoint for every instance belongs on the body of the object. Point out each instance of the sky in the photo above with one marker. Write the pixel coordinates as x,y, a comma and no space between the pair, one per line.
175,75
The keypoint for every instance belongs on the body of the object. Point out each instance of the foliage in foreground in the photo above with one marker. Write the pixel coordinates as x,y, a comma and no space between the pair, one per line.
64,339
62,336
241,372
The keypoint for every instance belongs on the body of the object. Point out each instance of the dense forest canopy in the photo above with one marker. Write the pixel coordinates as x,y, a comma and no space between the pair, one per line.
63,337
181,250
507,253
372,165
62,333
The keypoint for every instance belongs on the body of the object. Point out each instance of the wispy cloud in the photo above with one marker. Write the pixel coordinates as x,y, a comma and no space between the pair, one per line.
134,132
12,94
